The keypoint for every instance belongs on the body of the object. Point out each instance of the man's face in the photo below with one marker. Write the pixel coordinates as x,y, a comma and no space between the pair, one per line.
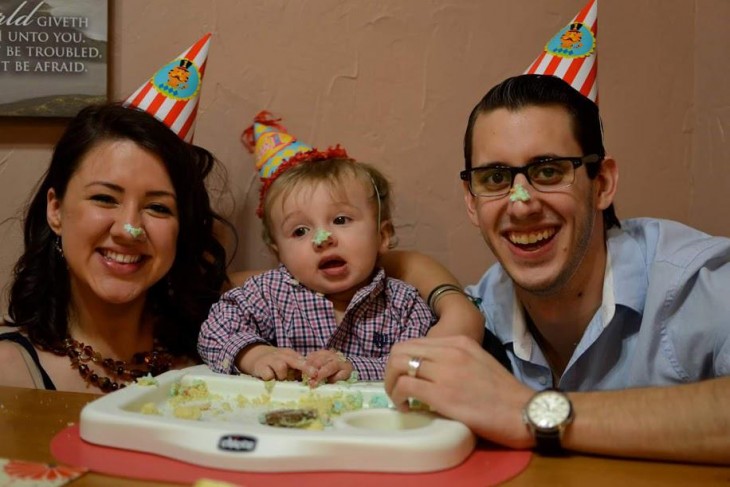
542,242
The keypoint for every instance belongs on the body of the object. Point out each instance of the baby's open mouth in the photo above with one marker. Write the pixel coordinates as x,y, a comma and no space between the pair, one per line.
331,263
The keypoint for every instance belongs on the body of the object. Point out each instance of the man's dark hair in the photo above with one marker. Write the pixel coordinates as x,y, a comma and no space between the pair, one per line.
539,90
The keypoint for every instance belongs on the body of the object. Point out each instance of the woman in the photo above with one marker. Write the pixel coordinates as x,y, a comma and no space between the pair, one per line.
120,264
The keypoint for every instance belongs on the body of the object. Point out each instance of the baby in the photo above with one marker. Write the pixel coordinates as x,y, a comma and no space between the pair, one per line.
328,309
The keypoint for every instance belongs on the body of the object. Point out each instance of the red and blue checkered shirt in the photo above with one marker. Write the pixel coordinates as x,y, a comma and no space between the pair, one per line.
275,309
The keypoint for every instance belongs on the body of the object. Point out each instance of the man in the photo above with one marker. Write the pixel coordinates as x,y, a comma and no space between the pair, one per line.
604,311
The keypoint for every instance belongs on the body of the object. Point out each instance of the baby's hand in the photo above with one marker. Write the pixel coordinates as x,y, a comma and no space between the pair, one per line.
267,362
330,366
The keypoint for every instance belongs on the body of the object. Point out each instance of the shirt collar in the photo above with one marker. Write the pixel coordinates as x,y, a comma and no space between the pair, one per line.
629,270
623,264
523,340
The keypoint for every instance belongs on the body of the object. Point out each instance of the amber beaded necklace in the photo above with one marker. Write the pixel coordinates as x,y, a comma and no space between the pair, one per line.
120,373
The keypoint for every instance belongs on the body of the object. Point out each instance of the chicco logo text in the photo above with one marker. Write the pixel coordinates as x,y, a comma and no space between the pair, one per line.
237,443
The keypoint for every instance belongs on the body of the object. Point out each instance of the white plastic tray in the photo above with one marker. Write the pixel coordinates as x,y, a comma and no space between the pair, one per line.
370,439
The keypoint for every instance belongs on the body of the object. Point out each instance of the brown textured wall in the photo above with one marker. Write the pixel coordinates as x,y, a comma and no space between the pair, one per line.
394,80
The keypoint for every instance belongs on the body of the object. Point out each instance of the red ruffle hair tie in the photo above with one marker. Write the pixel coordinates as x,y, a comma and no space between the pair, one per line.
313,155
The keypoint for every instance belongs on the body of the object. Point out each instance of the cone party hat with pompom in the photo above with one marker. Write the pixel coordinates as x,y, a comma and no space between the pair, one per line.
275,151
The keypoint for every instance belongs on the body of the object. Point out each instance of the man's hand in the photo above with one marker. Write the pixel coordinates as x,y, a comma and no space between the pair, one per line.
459,380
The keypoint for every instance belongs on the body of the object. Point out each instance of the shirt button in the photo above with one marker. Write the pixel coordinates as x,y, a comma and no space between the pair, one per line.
543,380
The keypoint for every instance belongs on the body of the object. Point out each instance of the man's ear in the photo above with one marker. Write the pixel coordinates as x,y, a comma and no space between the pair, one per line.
387,232
606,183
471,204
53,211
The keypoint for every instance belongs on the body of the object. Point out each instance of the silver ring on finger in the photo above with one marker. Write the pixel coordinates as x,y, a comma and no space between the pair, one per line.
414,363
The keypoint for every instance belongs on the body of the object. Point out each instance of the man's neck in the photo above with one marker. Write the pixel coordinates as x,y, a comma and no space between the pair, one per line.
558,321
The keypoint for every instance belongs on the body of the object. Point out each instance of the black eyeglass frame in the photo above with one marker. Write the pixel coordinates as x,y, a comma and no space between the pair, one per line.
465,175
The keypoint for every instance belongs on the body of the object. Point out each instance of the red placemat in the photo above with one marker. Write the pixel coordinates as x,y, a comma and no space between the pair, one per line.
485,466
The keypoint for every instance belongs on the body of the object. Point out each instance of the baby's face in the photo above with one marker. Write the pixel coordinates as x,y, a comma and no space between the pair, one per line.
328,237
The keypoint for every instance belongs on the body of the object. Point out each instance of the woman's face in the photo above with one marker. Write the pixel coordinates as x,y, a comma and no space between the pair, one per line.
118,222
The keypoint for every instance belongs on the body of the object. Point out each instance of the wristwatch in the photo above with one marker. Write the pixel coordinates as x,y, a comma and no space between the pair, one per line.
546,415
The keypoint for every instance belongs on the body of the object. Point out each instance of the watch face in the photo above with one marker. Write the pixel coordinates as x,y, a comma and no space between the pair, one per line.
548,409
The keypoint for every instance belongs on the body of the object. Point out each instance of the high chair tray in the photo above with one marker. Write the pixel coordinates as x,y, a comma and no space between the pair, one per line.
220,421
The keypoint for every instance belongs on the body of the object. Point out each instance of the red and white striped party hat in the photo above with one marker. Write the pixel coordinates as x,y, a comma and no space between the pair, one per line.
172,94
571,53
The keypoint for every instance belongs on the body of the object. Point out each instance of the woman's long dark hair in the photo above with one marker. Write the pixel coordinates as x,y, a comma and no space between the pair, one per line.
40,293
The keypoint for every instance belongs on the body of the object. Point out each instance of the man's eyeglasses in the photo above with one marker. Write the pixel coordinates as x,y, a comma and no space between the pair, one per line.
546,175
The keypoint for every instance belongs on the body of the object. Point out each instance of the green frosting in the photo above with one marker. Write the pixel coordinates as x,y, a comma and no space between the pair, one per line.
379,401
133,231
320,236
518,193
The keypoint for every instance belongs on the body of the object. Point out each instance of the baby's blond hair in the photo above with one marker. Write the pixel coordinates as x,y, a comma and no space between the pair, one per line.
331,172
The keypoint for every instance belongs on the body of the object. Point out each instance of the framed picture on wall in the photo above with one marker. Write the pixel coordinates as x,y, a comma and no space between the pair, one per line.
53,56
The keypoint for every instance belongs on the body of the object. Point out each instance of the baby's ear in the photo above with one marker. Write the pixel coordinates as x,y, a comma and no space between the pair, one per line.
387,236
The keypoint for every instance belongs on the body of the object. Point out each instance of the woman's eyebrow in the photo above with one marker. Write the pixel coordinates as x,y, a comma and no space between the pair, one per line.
158,193
118,189
108,185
